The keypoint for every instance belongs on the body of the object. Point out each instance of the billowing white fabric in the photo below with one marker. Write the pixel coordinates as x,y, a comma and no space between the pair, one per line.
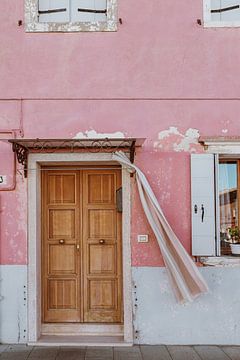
187,281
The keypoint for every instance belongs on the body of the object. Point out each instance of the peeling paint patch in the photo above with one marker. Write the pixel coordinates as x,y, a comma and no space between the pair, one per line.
224,131
92,134
173,139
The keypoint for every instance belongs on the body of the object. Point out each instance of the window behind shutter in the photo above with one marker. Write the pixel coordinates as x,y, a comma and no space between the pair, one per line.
54,11
203,204
88,10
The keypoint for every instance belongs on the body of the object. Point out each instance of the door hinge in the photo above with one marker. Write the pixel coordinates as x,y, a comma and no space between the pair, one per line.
93,11
225,9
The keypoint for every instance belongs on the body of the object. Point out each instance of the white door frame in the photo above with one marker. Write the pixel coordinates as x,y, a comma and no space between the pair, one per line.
34,235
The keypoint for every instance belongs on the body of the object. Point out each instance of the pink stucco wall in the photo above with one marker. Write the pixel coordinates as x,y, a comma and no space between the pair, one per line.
160,75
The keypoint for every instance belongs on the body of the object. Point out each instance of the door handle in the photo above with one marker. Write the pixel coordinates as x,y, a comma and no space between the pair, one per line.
61,241
78,247
203,212
101,241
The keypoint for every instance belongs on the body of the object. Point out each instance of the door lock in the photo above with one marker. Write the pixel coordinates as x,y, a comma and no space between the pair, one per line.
101,241
61,241
78,247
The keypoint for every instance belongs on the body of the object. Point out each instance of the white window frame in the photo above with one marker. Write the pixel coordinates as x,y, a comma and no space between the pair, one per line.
33,25
222,148
219,260
209,23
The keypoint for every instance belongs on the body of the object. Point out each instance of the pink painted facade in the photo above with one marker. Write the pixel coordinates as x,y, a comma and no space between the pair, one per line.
167,167
161,76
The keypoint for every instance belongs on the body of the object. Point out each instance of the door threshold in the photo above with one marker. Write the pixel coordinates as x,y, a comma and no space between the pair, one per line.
82,329
69,340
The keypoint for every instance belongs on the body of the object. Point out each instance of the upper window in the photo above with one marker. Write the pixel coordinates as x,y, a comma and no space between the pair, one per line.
221,13
70,15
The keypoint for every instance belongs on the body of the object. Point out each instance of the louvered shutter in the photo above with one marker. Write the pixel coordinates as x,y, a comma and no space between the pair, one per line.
54,11
203,205
225,10
88,10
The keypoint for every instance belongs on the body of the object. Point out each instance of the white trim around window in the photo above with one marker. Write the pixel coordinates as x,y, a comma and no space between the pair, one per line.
32,23
204,183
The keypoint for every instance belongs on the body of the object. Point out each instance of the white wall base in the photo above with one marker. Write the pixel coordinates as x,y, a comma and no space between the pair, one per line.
211,319
13,304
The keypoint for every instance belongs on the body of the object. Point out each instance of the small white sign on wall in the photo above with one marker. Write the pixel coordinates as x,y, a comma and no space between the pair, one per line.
142,238
3,180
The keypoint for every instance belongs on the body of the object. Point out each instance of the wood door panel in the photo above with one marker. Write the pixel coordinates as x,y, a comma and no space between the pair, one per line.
101,189
62,189
61,223
62,294
62,259
102,259
102,294
102,223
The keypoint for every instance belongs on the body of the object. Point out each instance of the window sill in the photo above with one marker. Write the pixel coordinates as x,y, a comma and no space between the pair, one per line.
72,27
221,261
221,24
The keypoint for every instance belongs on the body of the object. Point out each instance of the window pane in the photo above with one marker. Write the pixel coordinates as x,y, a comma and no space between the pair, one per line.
228,195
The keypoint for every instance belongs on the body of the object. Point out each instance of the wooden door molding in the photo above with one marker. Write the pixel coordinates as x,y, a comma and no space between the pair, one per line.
61,217
102,250
81,247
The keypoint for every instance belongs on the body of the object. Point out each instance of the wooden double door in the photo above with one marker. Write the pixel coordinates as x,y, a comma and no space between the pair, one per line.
81,246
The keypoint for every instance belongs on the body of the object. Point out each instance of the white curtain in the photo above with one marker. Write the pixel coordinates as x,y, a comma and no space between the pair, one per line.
187,281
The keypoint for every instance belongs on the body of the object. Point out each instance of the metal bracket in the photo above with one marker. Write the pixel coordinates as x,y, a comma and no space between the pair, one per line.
132,151
22,155
119,199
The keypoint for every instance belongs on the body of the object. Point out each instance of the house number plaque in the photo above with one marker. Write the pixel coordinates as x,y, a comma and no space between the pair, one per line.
3,179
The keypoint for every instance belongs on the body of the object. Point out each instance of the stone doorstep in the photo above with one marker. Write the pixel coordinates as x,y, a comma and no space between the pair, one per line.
72,341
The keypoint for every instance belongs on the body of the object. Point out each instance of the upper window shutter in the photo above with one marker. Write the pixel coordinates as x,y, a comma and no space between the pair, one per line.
54,11
215,4
225,10
203,205
88,10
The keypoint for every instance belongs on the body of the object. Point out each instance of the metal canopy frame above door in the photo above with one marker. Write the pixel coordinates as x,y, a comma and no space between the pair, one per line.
22,147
